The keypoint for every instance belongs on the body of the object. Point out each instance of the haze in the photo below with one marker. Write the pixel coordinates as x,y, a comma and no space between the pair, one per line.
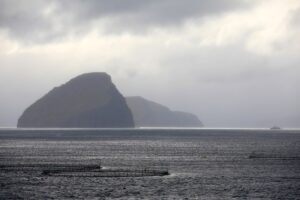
234,63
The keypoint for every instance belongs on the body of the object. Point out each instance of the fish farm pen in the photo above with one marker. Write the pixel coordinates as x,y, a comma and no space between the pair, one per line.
69,170
255,155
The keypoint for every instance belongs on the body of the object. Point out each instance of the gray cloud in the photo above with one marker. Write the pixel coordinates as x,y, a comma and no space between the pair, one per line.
39,20
25,19
147,12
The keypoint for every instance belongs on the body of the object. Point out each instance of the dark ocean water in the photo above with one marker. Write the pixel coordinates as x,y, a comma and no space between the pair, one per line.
204,164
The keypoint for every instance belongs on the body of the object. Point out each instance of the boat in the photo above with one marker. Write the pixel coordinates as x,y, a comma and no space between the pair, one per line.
275,128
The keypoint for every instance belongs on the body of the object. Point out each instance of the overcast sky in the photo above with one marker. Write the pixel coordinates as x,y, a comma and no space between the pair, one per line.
234,63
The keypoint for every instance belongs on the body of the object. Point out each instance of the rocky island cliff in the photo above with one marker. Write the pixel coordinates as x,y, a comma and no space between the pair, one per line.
89,100
151,114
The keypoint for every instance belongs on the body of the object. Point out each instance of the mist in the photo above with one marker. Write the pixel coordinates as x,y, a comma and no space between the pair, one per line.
232,63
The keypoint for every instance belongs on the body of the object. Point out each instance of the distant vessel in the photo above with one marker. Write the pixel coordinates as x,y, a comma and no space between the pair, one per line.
275,128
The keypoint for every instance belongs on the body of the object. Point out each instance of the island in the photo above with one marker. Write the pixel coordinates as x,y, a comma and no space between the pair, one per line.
147,113
88,101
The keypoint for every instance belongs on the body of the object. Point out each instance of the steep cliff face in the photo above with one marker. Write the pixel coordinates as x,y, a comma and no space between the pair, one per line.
89,100
150,114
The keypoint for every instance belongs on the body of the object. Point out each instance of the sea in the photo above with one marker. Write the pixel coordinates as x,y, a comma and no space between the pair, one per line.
202,163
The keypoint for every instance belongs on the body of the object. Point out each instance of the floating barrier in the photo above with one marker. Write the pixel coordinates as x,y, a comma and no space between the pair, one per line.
68,170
